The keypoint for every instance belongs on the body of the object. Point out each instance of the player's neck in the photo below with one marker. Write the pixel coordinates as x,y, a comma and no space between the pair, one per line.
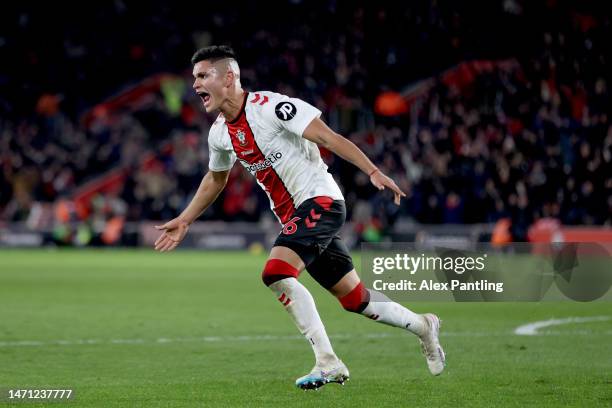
233,105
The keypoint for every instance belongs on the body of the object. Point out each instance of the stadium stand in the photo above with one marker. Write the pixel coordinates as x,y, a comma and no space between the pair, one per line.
98,123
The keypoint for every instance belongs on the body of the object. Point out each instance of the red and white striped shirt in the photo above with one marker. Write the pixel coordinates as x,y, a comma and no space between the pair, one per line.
267,139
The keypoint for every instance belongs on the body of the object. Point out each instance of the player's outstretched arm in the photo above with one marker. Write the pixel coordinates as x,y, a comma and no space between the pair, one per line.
317,131
175,230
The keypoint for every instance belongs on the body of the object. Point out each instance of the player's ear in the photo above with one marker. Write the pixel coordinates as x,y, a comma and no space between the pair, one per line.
229,78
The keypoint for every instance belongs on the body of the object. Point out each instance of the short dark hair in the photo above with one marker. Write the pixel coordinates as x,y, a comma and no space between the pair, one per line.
213,53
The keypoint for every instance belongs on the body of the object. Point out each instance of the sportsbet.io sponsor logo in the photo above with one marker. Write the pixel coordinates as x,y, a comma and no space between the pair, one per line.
264,164
285,110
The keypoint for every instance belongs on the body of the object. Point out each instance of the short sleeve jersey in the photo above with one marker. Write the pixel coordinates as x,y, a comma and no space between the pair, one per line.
266,138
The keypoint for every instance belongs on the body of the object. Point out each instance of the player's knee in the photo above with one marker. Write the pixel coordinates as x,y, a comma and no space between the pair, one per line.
277,269
356,300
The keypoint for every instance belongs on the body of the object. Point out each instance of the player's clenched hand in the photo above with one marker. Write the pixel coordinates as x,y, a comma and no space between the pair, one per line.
174,232
380,181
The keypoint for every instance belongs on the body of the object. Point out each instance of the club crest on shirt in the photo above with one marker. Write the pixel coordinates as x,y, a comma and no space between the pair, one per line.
241,137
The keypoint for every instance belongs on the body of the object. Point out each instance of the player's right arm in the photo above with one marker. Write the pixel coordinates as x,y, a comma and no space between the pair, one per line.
175,230
221,159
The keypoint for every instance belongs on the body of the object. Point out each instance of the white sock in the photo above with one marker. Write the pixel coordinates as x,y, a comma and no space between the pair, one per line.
384,310
298,301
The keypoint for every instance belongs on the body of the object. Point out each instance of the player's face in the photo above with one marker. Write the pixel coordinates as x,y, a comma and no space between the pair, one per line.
209,84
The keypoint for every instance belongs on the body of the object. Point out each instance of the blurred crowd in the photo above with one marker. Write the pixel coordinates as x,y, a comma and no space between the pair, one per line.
523,140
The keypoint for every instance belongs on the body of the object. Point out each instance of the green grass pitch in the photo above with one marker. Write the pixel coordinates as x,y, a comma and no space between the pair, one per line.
142,329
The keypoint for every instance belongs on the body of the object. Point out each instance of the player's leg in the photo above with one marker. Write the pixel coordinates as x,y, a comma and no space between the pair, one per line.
334,271
280,275
355,298
302,240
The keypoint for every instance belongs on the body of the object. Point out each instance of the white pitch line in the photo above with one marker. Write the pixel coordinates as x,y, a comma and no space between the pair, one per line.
216,339
531,329
269,337
164,340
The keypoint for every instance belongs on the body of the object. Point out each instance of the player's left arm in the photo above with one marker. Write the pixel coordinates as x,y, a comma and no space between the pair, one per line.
318,132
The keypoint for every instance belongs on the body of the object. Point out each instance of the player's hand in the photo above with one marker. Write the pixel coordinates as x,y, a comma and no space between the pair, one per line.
174,232
381,181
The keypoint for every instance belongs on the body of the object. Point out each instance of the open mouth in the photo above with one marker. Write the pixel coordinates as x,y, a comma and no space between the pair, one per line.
205,96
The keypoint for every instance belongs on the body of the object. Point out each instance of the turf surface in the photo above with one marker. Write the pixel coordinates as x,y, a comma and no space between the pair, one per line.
143,329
